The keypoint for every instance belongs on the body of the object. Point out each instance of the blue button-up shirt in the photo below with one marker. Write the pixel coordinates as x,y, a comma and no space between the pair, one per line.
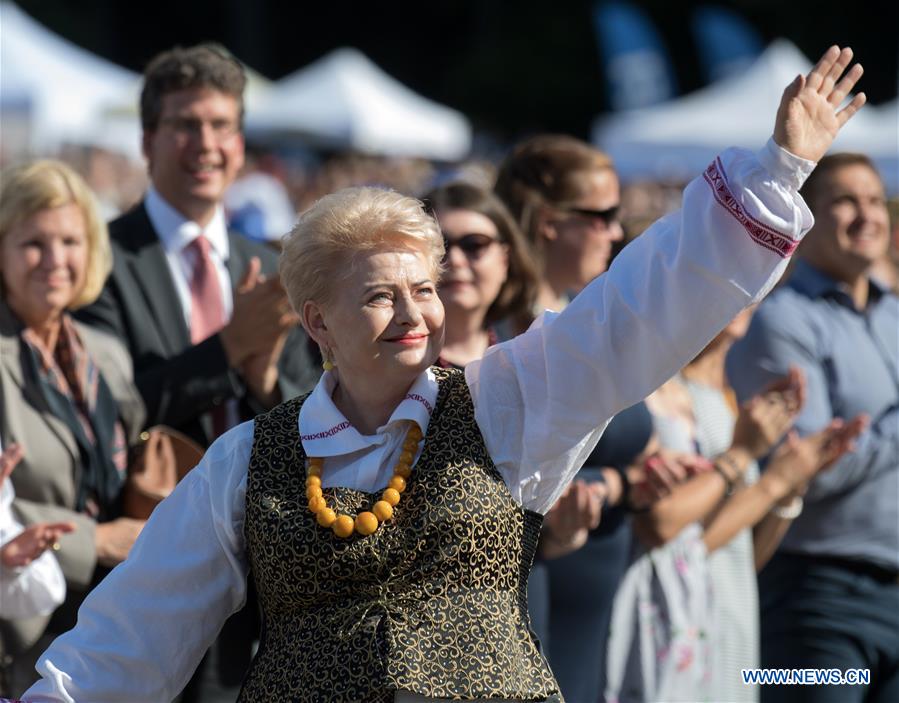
851,362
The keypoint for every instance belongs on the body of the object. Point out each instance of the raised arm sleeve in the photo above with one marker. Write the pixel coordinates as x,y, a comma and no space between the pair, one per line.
543,399
144,629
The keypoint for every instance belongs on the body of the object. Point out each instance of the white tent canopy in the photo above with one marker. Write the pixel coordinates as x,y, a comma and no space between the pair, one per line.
61,90
344,100
677,139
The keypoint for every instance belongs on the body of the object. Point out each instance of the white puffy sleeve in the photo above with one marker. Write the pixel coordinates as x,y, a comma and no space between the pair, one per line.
36,589
143,630
543,399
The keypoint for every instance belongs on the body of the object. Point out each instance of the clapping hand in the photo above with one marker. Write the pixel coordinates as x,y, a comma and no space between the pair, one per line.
32,542
261,316
577,511
35,539
255,337
798,460
808,119
660,473
765,418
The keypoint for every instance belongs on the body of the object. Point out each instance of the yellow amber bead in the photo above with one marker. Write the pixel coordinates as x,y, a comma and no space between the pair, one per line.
343,526
403,470
391,495
313,491
314,481
398,483
414,432
317,503
410,445
314,471
382,510
366,523
405,458
326,517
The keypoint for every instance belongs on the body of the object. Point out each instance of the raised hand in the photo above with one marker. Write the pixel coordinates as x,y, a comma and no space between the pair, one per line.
808,119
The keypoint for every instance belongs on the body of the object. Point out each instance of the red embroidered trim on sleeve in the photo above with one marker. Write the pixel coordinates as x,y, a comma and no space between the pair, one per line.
778,242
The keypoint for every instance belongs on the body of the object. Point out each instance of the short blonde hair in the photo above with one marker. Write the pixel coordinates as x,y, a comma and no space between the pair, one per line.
30,188
344,223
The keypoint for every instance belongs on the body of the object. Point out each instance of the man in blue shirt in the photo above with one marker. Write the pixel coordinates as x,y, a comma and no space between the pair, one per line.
830,597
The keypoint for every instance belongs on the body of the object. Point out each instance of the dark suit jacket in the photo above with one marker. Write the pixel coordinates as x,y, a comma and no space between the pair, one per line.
180,382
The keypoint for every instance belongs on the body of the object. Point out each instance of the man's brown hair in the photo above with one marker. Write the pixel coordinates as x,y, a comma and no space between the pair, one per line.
201,66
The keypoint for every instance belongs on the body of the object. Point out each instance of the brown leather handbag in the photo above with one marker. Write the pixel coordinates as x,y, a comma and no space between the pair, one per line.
161,459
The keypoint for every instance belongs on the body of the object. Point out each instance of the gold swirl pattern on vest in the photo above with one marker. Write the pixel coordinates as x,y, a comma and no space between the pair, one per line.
365,522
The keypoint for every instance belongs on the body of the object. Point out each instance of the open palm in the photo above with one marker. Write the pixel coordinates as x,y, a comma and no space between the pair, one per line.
808,119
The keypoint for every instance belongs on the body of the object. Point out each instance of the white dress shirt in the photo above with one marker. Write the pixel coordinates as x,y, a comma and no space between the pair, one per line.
541,402
176,234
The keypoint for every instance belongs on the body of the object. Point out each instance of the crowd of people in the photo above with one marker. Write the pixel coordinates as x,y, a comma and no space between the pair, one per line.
461,443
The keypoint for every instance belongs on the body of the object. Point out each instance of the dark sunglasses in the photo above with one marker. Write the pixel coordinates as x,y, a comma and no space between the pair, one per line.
474,246
607,216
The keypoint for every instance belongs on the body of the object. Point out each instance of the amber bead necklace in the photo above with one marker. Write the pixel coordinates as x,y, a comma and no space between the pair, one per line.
365,523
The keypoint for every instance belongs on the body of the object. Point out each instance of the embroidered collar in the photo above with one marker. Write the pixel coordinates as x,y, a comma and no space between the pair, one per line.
176,232
324,431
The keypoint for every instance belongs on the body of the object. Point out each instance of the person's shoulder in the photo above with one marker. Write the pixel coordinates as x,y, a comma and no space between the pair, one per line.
784,307
103,348
789,316
130,234
130,223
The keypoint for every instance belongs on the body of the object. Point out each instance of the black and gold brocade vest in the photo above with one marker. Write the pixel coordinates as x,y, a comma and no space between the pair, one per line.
434,602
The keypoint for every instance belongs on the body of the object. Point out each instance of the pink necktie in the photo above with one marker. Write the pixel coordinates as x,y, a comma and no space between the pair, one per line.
207,310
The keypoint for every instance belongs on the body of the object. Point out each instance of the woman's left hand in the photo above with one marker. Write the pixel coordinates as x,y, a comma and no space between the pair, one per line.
808,119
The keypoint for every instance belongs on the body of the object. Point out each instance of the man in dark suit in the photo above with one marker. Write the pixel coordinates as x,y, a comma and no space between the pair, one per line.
201,310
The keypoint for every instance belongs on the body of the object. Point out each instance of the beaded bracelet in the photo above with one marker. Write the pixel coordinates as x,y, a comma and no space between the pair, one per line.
729,461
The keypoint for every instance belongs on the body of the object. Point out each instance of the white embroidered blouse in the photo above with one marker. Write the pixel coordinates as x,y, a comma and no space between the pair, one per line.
541,401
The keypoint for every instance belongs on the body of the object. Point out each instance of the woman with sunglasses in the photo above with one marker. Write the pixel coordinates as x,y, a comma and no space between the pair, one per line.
489,283
565,196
